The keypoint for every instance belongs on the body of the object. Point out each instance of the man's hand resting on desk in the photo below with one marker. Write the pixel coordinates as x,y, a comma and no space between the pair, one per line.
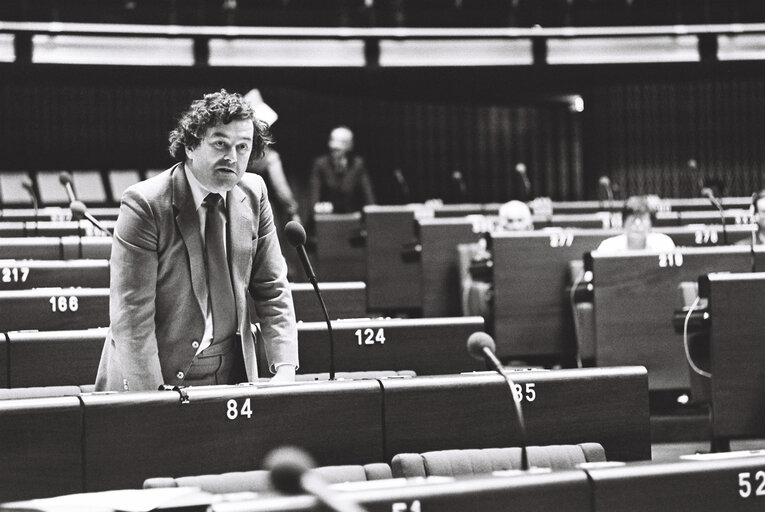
284,374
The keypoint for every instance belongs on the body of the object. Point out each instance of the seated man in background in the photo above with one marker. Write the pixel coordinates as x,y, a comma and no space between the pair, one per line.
515,216
638,215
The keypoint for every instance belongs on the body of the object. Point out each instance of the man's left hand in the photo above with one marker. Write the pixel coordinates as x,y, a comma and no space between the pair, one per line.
284,375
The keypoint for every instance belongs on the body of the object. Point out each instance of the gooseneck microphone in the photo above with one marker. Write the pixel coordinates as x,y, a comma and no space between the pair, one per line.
295,235
482,347
291,474
66,180
78,208
756,231
402,185
520,168
707,192
26,184
80,211
460,187
605,184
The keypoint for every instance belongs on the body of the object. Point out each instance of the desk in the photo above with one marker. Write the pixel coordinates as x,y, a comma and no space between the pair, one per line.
392,283
53,213
340,247
708,216
133,436
427,346
562,490
602,405
634,297
53,309
532,314
711,485
53,228
28,274
53,358
55,248
343,300
737,353
40,447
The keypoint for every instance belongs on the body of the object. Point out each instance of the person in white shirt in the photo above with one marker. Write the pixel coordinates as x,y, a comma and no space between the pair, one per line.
637,218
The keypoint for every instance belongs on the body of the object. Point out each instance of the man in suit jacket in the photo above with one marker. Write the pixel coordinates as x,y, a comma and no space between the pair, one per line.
340,178
189,245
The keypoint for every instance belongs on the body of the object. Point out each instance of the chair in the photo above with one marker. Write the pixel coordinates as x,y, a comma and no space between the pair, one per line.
488,460
259,481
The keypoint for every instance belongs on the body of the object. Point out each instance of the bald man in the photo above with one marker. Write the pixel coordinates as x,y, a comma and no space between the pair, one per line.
340,177
515,216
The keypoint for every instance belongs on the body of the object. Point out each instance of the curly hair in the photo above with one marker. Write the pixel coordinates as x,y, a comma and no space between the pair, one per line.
212,109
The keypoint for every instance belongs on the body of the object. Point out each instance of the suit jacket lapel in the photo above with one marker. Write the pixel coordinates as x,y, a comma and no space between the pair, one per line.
188,224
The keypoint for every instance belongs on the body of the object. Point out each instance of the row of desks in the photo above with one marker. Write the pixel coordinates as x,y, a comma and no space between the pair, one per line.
695,485
99,441
428,346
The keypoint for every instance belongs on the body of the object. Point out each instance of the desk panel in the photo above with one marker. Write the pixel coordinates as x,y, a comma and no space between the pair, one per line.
427,346
55,358
737,353
532,313
562,490
603,405
635,295
343,300
51,309
27,274
40,447
440,265
686,486
340,247
134,436
392,283
38,248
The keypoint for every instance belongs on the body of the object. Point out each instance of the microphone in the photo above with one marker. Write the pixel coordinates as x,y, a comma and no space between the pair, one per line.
295,235
756,231
520,168
26,184
79,211
482,347
402,184
605,184
66,180
461,188
709,194
291,474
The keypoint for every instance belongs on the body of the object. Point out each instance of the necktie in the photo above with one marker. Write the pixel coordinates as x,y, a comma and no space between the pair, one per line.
218,277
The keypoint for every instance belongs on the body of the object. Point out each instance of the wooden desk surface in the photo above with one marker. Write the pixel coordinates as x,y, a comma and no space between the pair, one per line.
603,405
635,297
737,353
40,447
532,315
133,436
427,346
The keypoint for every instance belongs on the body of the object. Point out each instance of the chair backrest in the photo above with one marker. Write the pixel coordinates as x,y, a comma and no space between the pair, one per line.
487,460
258,480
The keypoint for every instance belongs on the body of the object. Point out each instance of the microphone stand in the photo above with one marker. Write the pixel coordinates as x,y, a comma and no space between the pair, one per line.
488,354
315,285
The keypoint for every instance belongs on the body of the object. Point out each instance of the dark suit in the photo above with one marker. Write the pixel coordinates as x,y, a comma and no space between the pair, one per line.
348,190
159,294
